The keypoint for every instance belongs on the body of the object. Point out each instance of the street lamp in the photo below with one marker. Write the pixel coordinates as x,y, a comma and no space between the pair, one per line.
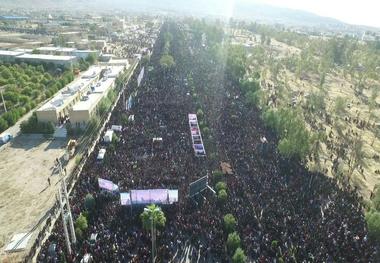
151,216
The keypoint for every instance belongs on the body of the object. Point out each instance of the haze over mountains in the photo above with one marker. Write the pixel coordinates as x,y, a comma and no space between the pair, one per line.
241,9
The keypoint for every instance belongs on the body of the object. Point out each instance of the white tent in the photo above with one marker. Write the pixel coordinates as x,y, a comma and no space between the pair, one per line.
101,154
116,127
108,136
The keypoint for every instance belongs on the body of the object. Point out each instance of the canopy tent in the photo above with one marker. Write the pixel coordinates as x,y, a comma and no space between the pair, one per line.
108,136
101,154
117,128
125,199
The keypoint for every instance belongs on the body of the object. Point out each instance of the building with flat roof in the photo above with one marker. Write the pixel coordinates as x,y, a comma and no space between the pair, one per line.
59,106
56,60
85,53
86,108
9,56
47,50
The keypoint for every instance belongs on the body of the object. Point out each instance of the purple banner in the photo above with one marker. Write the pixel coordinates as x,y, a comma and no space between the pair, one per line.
107,185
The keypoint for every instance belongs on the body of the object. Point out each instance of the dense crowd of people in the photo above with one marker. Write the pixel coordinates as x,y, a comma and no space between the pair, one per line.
283,210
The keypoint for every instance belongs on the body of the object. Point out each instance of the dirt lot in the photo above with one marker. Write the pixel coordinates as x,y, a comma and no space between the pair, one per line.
25,195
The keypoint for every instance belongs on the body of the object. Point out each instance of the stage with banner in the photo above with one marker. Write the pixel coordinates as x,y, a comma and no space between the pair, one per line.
196,136
150,196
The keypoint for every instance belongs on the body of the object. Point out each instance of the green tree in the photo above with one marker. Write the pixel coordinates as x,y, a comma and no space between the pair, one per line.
81,222
376,199
316,102
3,124
236,62
220,186
89,202
356,154
373,223
229,223
91,58
6,73
239,256
340,106
217,175
200,113
222,195
152,213
167,61
233,241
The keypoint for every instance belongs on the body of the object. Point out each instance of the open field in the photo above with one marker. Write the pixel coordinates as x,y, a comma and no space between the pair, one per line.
25,195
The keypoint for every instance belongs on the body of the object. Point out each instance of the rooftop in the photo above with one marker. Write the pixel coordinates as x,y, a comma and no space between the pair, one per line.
114,71
69,92
85,105
85,51
47,57
47,48
103,85
66,49
10,53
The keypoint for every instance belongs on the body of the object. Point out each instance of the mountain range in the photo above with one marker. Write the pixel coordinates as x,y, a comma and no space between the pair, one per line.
240,9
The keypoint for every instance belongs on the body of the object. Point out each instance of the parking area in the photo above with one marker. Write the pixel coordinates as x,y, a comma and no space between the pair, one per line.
26,163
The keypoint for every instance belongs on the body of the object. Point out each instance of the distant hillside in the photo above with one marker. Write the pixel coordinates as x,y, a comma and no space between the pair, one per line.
252,11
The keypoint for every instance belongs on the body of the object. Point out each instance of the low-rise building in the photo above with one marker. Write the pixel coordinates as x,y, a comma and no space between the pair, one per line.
47,50
84,110
9,56
67,61
85,53
59,106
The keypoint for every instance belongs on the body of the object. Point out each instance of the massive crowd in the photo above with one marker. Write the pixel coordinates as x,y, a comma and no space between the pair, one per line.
282,209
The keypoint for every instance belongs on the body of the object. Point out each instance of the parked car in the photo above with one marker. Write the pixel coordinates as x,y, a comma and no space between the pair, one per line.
5,138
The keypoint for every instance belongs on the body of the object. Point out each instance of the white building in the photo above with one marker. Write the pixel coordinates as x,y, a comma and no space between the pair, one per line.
9,56
59,106
67,61
86,108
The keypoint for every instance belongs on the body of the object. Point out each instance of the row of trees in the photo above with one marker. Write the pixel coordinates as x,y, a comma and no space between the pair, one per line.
33,126
24,86
230,223
166,60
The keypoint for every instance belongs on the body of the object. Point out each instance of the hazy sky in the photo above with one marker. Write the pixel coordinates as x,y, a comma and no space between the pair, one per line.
363,12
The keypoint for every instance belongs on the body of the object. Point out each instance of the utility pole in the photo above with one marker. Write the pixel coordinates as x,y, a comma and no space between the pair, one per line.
5,107
153,237
125,106
70,216
63,198
67,238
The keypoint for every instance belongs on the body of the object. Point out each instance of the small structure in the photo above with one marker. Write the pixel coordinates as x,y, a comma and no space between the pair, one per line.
18,242
108,136
118,128
101,154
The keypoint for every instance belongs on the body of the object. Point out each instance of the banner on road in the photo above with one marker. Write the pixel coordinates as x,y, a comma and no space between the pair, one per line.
107,185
